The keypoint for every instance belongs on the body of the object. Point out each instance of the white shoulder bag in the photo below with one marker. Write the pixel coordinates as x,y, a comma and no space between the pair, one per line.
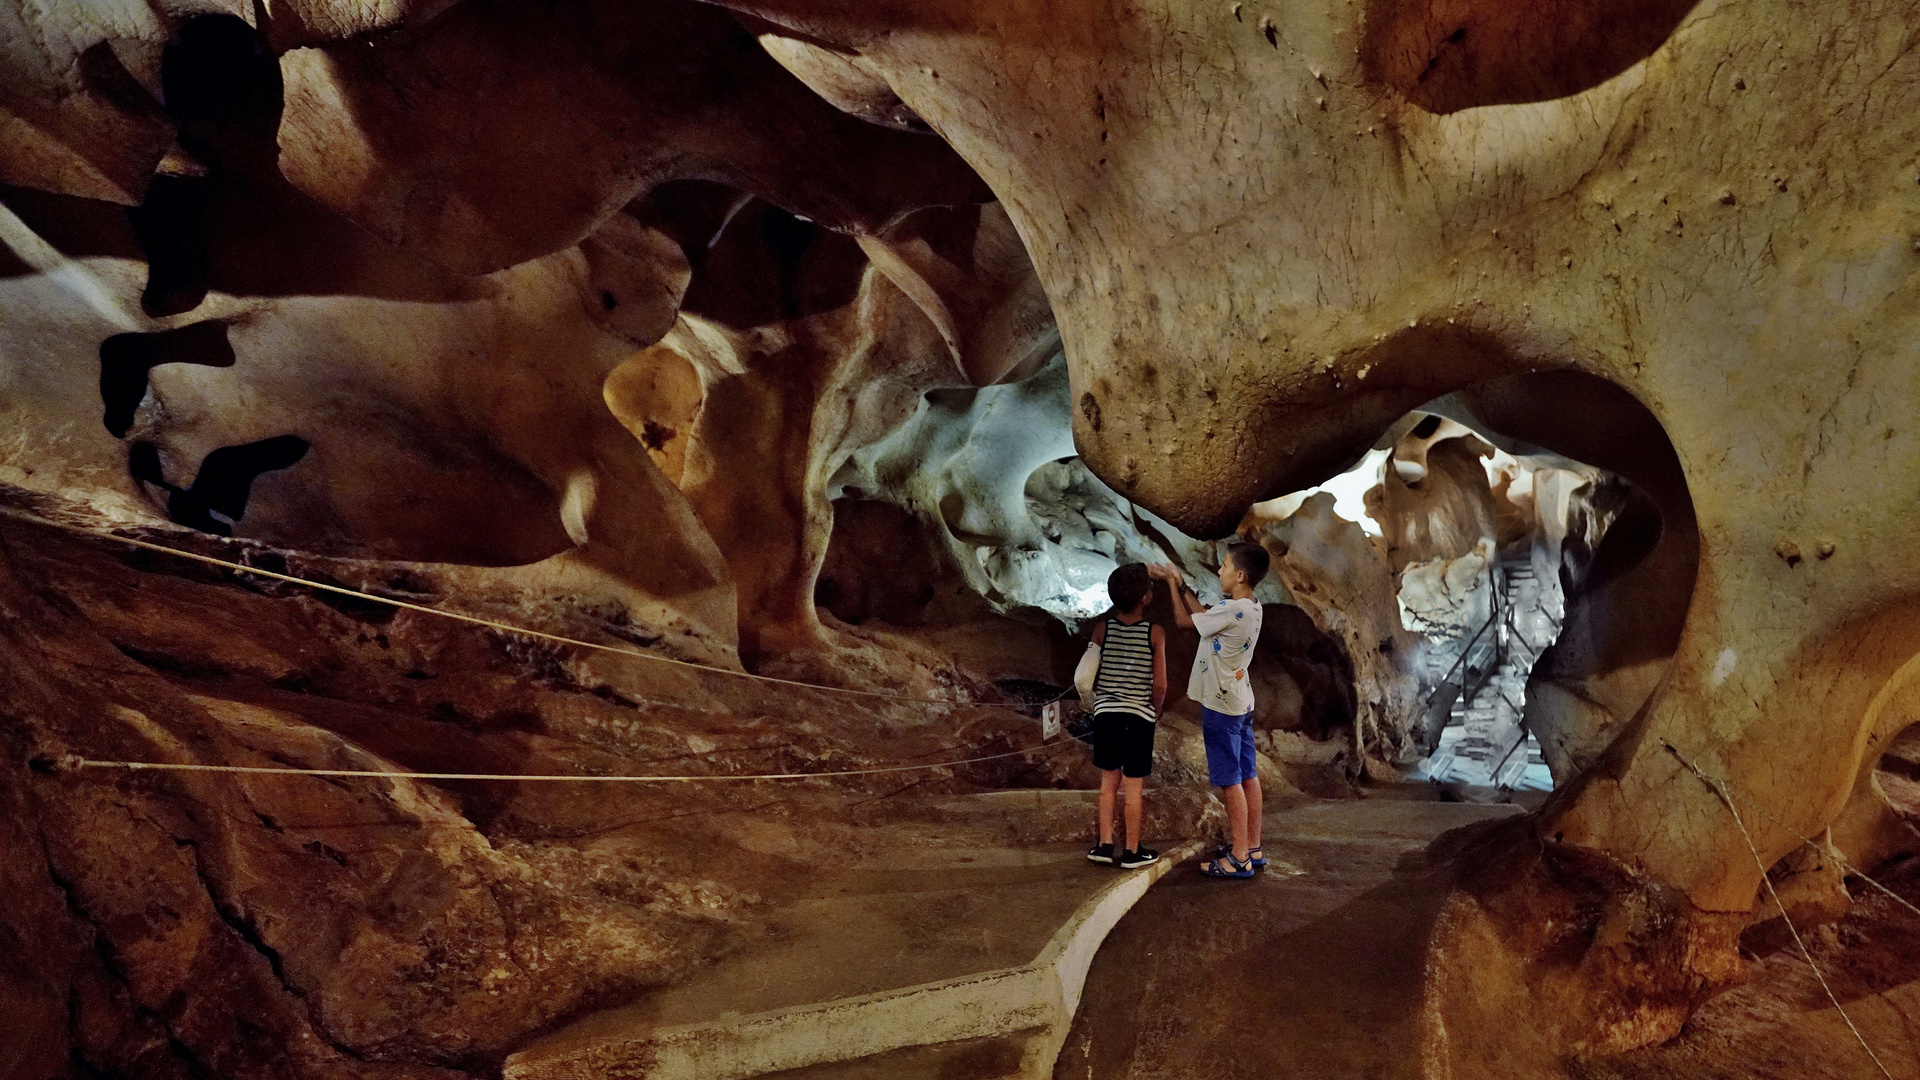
1085,675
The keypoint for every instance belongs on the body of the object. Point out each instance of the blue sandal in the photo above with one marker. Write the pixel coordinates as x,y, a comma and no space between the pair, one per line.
1259,863
1212,868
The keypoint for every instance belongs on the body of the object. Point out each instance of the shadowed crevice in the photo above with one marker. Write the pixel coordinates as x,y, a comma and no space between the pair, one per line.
1449,55
127,359
220,81
174,230
218,496
1624,621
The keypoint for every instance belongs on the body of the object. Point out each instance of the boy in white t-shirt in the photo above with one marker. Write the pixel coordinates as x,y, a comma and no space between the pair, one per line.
1228,631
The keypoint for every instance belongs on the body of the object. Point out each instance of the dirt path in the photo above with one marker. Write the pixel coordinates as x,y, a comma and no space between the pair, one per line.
1331,956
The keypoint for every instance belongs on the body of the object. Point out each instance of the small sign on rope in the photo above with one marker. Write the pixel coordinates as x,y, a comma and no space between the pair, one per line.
1050,718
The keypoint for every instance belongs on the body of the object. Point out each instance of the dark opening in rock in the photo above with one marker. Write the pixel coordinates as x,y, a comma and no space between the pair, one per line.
218,496
1449,55
126,360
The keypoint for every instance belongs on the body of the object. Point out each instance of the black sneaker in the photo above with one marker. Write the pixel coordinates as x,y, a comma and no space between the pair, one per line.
1101,853
1145,856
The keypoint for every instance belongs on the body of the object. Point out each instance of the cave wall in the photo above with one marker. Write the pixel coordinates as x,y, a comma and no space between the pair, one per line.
1686,257
1718,222
183,924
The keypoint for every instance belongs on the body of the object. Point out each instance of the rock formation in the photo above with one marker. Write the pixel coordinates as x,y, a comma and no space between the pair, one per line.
1416,578
606,305
186,924
588,106
1700,231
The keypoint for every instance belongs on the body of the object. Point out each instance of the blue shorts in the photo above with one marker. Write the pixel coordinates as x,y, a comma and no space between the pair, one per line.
1229,741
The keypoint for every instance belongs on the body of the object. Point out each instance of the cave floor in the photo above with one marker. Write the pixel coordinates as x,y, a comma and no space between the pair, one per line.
1313,973
917,897
1301,973
896,904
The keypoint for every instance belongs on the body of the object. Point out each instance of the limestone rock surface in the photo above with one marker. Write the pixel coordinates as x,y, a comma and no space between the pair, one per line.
1262,245
613,305
571,111
181,924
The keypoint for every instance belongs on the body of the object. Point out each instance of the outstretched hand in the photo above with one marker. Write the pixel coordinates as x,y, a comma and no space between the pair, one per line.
1176,591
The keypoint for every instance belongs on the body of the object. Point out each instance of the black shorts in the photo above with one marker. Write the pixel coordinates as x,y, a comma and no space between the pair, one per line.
1123,741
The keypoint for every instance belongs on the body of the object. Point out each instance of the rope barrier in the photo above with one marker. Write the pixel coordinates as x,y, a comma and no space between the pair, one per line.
73,762
490,623
1722,791
1826,852
151,766
143,766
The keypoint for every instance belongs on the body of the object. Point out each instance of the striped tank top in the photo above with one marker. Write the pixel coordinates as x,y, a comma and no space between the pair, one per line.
1125,683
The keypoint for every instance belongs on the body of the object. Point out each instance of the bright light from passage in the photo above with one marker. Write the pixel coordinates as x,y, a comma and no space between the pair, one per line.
1349,491
1080,603
1505,464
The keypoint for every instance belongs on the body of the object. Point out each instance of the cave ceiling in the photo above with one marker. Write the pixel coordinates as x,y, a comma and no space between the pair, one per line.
632,293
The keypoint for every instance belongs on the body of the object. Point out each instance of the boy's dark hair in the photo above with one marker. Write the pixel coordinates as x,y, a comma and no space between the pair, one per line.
1249,558
1128,585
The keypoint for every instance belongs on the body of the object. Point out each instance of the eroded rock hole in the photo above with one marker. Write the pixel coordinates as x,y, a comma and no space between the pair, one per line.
1446,55
217,498
762,264
127,359
219,81
217,71
655,435
692,212
1622,562
174,230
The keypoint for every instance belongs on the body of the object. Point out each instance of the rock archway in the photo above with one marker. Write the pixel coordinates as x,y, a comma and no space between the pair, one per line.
1659,230
766,229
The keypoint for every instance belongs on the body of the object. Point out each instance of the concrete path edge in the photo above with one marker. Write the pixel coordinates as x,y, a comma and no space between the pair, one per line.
1037,1001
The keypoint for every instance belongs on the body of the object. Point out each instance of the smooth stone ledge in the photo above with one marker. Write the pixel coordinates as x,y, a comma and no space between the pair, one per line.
1036,1001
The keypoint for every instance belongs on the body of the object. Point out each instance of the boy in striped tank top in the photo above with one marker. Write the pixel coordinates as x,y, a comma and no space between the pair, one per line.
1126,701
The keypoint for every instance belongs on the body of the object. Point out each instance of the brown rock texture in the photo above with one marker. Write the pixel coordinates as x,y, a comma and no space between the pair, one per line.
597,310
1723,231
194,924
581,107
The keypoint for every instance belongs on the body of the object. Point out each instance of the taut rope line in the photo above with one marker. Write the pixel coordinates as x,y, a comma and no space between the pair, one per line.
148,766
1826,852
460,616
1723,790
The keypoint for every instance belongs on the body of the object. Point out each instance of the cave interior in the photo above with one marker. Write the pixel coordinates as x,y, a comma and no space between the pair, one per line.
552,538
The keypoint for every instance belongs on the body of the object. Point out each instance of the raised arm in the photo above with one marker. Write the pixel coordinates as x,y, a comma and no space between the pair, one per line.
1183,605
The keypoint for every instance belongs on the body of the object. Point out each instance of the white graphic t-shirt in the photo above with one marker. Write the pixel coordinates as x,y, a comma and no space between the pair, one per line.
1228,630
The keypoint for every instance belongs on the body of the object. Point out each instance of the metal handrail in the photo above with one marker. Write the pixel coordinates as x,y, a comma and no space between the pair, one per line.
1498,603
1532,659
1494,773
1500,610
1535,654
1503,612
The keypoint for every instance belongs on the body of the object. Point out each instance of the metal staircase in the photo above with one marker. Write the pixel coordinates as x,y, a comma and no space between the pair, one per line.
1474,716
